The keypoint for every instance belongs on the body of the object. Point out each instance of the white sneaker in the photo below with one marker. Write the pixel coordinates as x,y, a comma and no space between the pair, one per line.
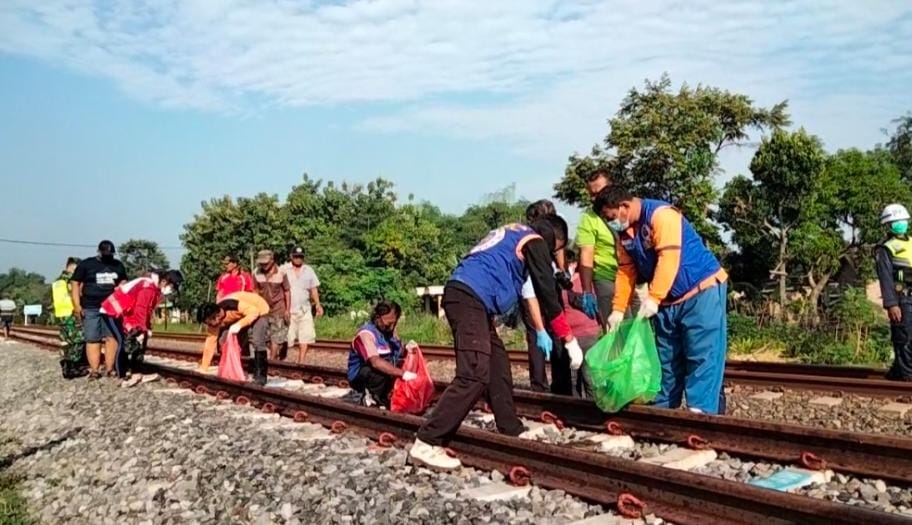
148,378
432,456
368,400
132,381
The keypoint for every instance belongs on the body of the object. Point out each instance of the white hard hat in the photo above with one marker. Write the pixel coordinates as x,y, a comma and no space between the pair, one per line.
893,213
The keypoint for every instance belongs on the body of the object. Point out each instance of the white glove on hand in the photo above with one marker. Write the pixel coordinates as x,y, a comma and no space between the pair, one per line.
614,320
411,345
234,329
409,376
575,353
648,309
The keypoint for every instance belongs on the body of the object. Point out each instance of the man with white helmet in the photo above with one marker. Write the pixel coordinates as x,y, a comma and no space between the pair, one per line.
893,258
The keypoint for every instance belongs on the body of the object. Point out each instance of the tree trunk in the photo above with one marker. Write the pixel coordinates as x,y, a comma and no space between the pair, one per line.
782,271
817,288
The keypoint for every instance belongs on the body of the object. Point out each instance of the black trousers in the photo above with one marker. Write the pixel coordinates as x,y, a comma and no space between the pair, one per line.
482,368
378,384
538,373
901,334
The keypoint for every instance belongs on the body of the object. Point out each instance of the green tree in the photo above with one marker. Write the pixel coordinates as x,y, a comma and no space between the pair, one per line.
900,146
141,255
25,288
664,144
764,212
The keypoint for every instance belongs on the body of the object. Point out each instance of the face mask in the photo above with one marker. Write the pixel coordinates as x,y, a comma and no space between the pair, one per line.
108,258
899,227
618,226
167,290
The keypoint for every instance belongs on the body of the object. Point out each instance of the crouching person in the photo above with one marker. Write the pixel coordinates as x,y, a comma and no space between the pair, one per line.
487,283
237,314
128,315
374,355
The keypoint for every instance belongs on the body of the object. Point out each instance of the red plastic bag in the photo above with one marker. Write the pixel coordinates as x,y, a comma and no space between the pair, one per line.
229,366
413,397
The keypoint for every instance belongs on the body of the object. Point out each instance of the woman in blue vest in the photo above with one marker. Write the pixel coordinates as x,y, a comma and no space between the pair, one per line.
488,283
374,355
686,300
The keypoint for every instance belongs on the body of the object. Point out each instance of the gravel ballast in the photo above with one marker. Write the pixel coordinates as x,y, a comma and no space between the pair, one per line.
91,452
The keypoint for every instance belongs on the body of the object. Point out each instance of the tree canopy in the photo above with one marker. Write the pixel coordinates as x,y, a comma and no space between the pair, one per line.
140,256
362,242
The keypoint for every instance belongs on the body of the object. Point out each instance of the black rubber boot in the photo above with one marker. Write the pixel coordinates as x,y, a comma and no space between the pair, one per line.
259,367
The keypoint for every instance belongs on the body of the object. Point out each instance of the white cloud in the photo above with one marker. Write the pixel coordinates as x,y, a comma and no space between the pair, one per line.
548,73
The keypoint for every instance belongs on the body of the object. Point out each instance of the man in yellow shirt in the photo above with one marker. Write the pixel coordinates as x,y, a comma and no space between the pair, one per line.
597,255
686,299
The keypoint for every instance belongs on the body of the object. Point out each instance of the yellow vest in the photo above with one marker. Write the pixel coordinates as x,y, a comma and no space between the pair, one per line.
900,251
63,303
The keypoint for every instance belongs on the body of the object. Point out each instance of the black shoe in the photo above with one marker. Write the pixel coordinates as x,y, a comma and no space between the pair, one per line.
259,368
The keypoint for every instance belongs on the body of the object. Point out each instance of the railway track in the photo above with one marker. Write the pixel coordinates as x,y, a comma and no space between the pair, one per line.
822,378
674,495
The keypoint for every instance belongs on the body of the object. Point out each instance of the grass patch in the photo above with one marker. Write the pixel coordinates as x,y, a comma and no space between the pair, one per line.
422,328
13,507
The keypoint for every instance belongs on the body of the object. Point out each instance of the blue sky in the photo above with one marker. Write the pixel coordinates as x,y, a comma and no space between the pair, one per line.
117,119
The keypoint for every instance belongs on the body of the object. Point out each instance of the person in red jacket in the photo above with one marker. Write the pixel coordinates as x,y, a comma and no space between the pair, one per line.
128,314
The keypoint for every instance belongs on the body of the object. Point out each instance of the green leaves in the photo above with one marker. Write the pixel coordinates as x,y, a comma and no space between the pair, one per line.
141,255
664,144
363,245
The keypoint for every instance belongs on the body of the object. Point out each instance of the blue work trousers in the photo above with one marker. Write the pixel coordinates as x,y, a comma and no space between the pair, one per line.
691,338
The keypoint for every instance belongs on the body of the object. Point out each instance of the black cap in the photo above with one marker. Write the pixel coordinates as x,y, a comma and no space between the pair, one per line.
106,247
297,251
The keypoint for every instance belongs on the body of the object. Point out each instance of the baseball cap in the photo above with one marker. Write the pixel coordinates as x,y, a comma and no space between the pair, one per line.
264,256
106,246
297,251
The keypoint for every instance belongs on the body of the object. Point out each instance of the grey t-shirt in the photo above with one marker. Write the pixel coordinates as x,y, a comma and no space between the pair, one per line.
301,280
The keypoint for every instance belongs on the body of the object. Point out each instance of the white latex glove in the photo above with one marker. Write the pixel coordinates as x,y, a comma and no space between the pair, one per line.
409,376
648,309
614,320
575,353
411,345
234,329
141,338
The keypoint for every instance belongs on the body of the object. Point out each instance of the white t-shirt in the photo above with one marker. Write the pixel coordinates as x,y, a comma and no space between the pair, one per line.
300,283
528,291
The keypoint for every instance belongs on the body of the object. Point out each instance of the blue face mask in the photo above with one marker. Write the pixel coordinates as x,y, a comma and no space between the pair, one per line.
899,227
617,225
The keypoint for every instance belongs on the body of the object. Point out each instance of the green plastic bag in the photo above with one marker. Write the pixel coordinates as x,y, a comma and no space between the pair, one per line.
624,366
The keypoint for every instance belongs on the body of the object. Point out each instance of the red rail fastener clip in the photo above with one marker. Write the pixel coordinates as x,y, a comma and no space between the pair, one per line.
242,400
296,375
519,476
201,389
300,416
386,439
343,384
170,380
338,427
268,408
695,442
450,452
630,506
221,394
614,428
184,384
812,461
550,418
486,409
316,379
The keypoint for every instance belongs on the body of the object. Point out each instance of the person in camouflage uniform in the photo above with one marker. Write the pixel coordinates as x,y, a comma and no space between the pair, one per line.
73,357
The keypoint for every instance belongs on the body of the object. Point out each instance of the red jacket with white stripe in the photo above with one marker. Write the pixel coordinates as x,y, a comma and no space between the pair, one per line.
134,301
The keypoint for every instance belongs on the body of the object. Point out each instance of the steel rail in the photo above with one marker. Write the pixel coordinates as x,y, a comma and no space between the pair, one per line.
861,454
676,496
